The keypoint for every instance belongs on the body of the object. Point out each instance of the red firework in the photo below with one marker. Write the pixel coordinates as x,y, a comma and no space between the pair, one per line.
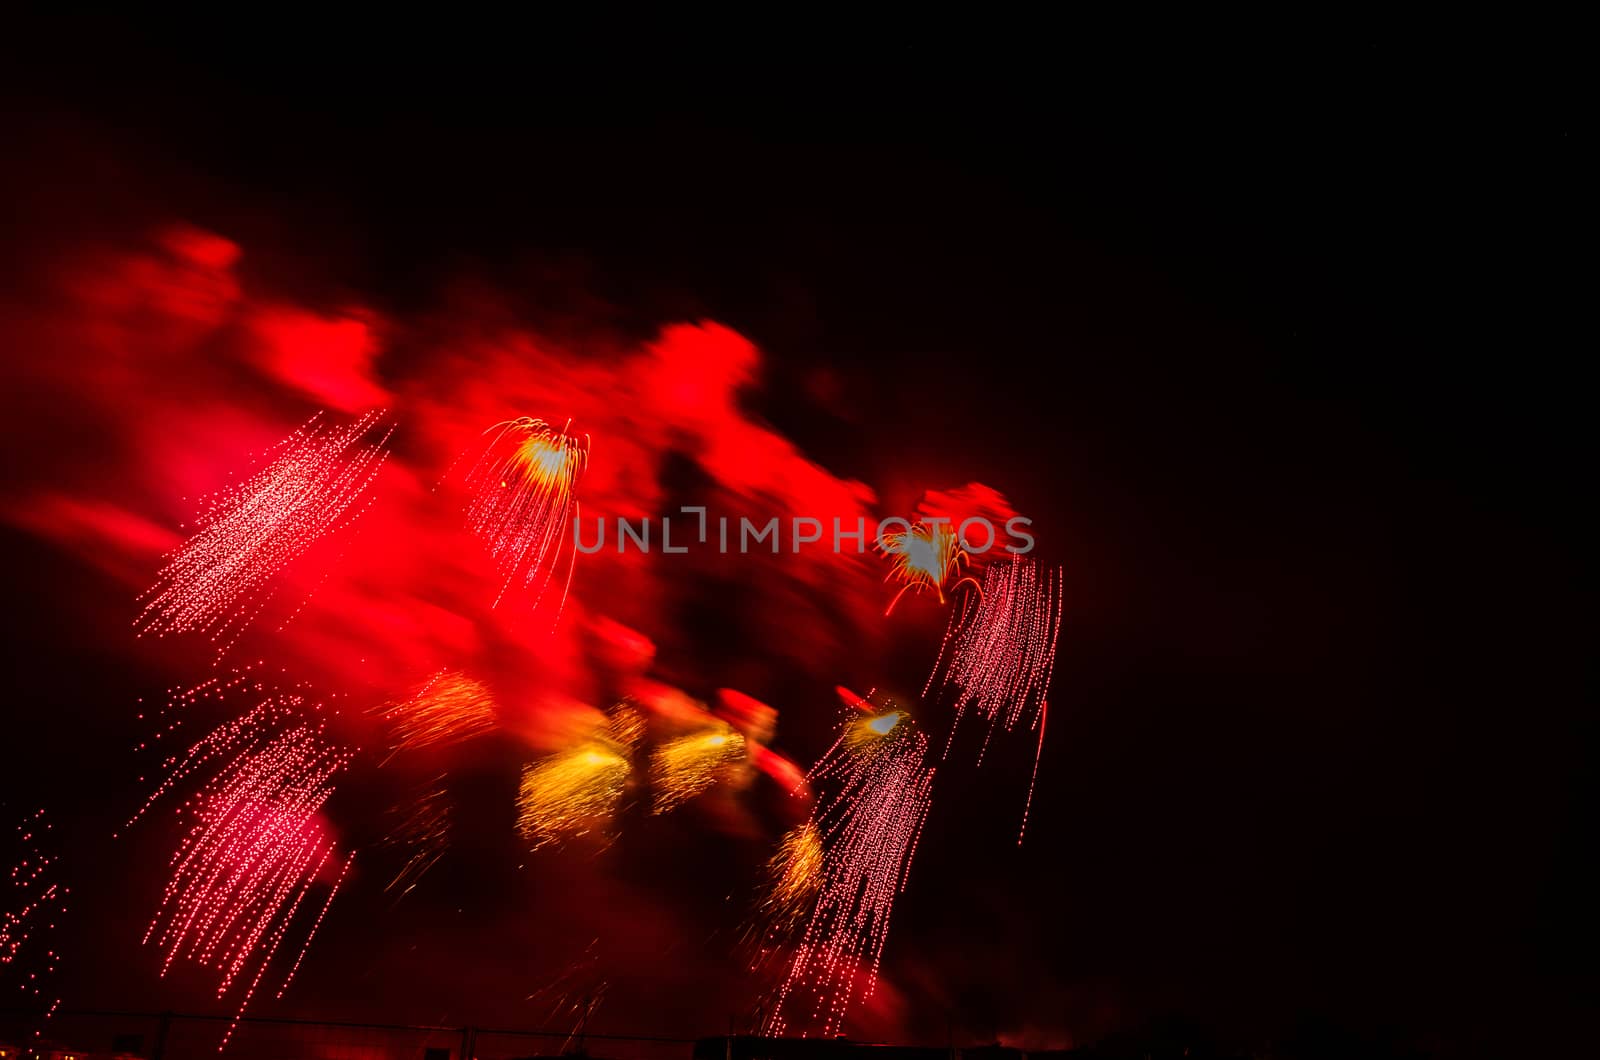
869,827
31,900
256,846
523,505
220,578
1000,661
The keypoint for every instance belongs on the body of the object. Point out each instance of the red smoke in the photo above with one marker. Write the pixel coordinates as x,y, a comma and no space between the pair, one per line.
158,373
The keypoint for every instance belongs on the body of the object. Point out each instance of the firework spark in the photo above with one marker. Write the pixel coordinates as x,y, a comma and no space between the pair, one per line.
576,791
256,846
925,556
220,578
424,831
448,708
523,505
31,900
686,766
1000,662
791,883
868,828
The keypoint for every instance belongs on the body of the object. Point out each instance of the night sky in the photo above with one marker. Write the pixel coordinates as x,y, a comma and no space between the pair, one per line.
1275,345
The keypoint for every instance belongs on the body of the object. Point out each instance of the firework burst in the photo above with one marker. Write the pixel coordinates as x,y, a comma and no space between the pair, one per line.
522,503
448,708
218,580
868,830
686,766
789,888
577,791
1000,661
924,557
256,846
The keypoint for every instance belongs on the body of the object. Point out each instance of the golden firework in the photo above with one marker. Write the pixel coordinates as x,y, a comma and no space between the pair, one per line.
682,768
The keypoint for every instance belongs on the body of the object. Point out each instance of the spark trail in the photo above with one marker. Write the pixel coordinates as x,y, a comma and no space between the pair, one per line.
448,708
522,505
31,902
256,846
999,662
789,888
925,556
218,580
577,791
424,832
869,828
686,766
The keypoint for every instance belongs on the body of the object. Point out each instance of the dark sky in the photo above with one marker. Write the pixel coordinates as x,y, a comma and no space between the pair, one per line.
1277,338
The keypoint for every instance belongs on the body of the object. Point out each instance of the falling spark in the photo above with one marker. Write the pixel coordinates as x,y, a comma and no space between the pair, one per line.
256,846
448,708
576,791
999,662
31,901
686,766
868,828
790,885
220,578
523,506
424,832
925,556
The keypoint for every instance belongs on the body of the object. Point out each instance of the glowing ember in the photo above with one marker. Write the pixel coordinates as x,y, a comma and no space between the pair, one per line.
219,579
30,902
448,708
925,556
999,663
576,791
685,767
523,506
869,827
256,848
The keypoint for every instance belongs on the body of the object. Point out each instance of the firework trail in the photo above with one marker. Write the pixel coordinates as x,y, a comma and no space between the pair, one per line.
256,846
789,888
30,902
424,831
523,506
448,708
869,828
925,556
574,994
576,791
220,578
686,766
999,663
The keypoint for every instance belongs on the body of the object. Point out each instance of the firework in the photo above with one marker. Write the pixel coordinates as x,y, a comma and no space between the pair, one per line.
925,556
686,766
1000,661
576,791
868,828
448,708
791,882
256,846
424,831
30,902
219,579
523,506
